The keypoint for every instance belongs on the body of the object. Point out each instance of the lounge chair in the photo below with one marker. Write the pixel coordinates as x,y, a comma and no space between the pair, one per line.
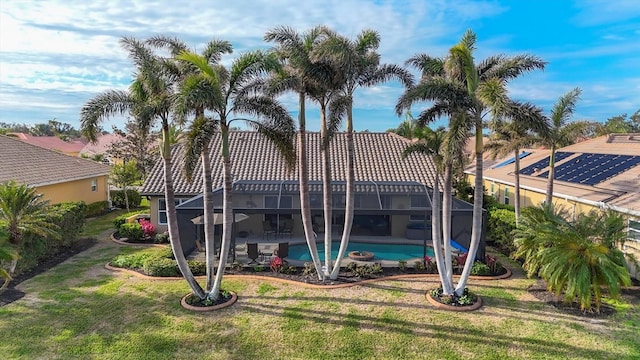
283,250
253,253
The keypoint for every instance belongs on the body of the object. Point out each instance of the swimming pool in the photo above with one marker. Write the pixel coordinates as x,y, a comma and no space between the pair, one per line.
393,252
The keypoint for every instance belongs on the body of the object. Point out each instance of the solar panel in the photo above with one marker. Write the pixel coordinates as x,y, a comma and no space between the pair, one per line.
544,163
592,169
511,160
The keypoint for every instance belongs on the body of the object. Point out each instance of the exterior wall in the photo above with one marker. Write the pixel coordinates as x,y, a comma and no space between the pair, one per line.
79,190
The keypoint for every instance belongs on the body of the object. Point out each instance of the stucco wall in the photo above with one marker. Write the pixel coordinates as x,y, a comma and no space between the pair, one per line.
79,190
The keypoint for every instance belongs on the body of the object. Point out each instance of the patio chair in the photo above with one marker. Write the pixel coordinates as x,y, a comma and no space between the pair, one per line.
253,253
268,229
286,228
283,249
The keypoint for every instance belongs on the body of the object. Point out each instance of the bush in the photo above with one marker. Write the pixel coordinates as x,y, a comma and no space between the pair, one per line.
309,269
501,224
162,238
402,265
162,267
70,217
481,269
131,231
137,259
121,219
117,198
148,229
96,208
197,267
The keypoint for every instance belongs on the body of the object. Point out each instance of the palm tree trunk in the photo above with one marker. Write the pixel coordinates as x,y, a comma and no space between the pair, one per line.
349,206
327,192
446,227
172,220
209,225
516,181
227,212
305,203
12,269
436,234
552,164
476,224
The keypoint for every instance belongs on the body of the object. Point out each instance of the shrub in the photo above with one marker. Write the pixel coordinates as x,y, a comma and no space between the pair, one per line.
258,268
162,267
236,265
309,269
288,269
96,208
148,230
402,265
121,219
419,265
162,238
137,259
479,268
197,267
131,231
352,266
117,198
501,224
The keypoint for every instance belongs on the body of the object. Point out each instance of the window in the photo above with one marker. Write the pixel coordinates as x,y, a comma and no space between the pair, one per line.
419,202
94,185
493,189
633,232
162,209
367,202
506,195
271,202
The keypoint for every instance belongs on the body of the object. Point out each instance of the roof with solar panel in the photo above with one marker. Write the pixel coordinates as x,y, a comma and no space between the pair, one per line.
603,169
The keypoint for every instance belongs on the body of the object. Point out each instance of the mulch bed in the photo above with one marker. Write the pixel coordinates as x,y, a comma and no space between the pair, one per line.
539,291
11,294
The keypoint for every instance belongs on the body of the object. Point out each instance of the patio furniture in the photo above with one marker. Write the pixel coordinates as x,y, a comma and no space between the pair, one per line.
283,249
286,228
268,229
253,253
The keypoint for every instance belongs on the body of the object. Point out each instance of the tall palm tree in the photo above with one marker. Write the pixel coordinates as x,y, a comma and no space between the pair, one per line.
516,125
224,93
298,74
359,64
457,93
563,132
23,211
149,99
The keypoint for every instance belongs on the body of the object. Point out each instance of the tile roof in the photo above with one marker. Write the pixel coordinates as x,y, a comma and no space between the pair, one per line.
52,143
622,189
35,166
102,144
378,157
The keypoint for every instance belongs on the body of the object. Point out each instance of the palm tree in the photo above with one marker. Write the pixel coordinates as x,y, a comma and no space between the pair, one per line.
455,91
562,132
299,75
224,92
23,211
359,64
516,125
578,259
149,99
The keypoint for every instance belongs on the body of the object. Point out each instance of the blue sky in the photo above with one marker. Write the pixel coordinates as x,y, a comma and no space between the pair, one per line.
57,54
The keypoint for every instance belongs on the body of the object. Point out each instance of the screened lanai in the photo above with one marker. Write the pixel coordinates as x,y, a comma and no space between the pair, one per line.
399,212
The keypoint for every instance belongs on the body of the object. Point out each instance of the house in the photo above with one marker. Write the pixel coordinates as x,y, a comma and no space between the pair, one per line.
393,194
599,173
60,178
100,147
71,148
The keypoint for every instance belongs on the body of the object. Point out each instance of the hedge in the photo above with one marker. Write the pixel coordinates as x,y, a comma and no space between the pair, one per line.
132,231
501,224
96,208
117,198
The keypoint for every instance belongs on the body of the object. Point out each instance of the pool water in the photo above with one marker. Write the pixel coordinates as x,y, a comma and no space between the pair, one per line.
381,251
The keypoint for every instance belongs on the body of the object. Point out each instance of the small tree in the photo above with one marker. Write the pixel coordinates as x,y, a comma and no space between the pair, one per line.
124,175
7,253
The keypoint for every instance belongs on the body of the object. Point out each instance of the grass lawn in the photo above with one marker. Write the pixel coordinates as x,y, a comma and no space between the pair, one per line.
81,310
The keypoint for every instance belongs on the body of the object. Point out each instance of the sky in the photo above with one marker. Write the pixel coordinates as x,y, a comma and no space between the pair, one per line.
55,55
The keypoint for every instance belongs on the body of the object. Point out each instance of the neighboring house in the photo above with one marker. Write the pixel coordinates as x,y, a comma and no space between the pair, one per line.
600,173
392,194
100,147
60,178
71,148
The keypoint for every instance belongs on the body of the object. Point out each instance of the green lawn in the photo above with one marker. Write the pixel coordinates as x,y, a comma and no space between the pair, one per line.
81,310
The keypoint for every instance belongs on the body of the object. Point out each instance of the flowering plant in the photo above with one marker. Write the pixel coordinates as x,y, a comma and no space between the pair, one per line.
276,264
147,228
492,262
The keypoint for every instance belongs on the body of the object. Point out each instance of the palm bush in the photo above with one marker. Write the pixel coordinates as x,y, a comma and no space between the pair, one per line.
578,259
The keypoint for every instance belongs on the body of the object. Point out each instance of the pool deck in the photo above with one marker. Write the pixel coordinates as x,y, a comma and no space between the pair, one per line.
267,245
